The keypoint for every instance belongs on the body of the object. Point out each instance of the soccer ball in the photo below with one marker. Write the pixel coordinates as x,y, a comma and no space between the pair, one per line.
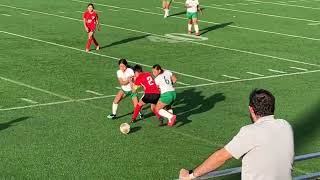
125,128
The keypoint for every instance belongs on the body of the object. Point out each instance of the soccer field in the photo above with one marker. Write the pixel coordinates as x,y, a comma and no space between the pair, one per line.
55,97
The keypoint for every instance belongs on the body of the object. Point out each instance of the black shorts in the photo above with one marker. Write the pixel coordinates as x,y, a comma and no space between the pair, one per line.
150,98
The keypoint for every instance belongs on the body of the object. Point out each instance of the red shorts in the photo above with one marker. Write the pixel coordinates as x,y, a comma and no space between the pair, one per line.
91,28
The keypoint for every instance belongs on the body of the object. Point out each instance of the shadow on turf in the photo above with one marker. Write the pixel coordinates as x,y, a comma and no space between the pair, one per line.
306,127
6,125
124,41
214,27
177,14
134,129
191,102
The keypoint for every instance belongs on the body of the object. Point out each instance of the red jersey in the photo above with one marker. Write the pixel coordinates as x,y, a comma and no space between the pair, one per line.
91,19
149,86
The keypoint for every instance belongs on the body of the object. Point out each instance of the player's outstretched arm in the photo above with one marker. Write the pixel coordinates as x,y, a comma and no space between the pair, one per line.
216,160
84,24
173,78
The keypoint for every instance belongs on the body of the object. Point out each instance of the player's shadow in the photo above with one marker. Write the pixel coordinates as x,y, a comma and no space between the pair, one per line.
306,127
191,102
177,14
134,129
11,123
182,12
127,40
214,27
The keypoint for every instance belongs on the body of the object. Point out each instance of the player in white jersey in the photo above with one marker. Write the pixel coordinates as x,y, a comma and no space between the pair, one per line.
125,76
192,14
164,79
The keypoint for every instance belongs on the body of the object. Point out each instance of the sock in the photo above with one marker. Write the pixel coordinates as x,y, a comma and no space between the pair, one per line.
114,108
189,27
157,114
89,43
165,114
136,112
170,111
196,28
95,41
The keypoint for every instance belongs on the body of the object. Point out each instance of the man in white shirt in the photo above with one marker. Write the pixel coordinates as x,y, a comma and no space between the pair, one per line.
266,146
192,15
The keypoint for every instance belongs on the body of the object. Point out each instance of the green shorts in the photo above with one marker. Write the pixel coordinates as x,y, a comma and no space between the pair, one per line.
191,15
168,98
130,94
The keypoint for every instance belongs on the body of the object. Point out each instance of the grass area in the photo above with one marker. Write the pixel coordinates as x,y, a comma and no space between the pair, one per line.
65,134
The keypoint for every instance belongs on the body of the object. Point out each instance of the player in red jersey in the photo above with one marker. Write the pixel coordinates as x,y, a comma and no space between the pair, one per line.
90,22
151,91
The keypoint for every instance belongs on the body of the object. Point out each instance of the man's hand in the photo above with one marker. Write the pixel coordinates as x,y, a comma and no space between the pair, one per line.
184,175
87,29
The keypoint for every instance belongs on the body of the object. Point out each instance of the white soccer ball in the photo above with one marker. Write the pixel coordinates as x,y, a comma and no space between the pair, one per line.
125,128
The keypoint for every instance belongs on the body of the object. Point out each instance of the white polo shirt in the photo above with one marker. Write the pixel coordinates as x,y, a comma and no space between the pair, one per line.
266,148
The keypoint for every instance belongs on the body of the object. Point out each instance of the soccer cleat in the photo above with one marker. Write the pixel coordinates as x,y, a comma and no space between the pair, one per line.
98,48
172,121
132,121
189,32
112,116
140,115
87,50
197,34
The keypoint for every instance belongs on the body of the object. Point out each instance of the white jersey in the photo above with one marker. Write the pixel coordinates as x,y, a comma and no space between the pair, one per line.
194,6
163,81
128,73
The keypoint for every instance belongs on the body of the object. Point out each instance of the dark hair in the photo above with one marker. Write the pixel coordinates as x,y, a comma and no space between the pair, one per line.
157,67
262,102
137,68
90,4
123,61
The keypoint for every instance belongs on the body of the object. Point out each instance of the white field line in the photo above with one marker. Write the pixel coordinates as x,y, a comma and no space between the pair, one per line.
262,14
178,82
79,11
25,14
302,69
55,103
116,10
6,15
256,74
61,12
250,79
146,9
118,88
229,4
243,4
102,55
209,22
282,4
29,100
147,33
231,77
276,71
215,4
94,92
314,24
34,88
191,86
